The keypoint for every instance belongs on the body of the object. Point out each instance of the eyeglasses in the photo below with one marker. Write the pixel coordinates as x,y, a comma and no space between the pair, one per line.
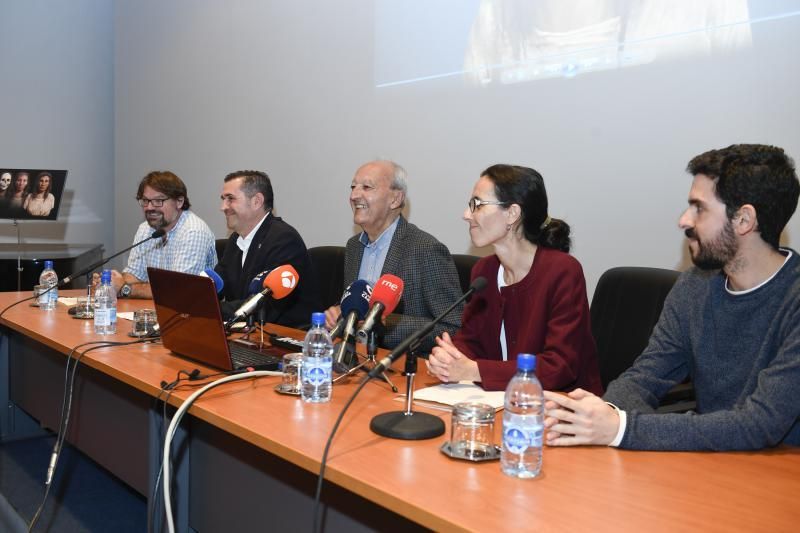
475,202
155,202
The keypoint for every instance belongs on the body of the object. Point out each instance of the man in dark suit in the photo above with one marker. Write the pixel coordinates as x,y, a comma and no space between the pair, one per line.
389,244
261,241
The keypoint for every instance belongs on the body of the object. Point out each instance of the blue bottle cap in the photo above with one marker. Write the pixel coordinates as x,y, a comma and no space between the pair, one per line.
317,319
48,264
526,362
105,277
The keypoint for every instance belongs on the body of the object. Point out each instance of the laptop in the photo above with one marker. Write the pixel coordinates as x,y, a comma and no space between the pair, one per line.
191,326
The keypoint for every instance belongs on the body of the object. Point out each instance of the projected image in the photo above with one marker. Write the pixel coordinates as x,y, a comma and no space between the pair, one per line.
30,193
514,40
489,42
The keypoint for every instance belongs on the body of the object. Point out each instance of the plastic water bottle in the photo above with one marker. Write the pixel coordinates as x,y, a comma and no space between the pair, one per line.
523,421
317,369
105,306
49,278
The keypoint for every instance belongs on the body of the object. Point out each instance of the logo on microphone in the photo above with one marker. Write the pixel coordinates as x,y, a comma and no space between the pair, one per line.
288,280
387,283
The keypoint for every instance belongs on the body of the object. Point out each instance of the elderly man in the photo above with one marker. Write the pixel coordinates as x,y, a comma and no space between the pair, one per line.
188,243
732,324
390,244
261,241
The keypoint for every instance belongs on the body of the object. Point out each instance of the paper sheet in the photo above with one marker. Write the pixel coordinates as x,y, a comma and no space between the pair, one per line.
450,394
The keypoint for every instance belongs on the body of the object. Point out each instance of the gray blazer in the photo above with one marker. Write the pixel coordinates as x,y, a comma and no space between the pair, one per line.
430,283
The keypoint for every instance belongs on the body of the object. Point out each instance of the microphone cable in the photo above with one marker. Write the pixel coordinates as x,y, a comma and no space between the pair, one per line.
317,527
66,408
173,427
25,300
169,388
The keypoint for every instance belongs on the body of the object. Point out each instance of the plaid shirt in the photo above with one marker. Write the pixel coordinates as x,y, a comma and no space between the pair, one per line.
188,247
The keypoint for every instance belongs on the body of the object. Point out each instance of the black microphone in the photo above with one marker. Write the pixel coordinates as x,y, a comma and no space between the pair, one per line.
156,234
477,285
354,299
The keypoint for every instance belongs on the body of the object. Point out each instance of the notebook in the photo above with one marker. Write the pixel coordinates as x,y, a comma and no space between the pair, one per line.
190,323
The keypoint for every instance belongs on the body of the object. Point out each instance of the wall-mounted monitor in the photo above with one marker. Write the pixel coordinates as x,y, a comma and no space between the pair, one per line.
31,194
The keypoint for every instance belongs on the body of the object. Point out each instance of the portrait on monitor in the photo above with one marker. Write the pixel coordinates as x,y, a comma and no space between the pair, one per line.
31,194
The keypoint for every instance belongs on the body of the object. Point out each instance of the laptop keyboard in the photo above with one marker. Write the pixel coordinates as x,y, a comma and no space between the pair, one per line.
244,357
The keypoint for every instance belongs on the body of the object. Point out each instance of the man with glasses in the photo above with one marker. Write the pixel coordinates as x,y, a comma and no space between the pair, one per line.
389,244
187,245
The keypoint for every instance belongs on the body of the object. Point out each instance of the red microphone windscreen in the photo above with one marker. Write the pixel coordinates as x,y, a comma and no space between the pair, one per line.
281,281
387,290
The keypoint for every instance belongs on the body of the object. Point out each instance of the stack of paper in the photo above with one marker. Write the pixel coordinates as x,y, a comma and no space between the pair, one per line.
446,395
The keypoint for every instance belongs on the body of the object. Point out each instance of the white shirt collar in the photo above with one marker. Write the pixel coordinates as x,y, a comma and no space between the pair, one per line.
244,242
739,293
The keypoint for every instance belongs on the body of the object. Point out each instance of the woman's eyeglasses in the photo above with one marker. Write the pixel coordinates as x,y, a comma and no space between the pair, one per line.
475,202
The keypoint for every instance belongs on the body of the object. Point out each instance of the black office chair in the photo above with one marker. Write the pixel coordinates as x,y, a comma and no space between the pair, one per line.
626,306
328,263
464,264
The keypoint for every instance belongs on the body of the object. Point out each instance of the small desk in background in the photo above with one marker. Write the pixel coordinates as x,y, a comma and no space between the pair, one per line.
67,258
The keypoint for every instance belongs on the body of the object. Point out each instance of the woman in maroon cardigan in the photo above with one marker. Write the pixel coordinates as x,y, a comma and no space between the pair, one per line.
535,298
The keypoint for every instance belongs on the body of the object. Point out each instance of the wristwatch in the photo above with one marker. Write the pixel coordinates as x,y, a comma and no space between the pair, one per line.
125,291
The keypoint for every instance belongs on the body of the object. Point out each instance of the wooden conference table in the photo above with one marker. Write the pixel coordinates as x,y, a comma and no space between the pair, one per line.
249,457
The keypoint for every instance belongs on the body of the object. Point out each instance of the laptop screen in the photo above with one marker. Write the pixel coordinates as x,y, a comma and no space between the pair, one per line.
189,317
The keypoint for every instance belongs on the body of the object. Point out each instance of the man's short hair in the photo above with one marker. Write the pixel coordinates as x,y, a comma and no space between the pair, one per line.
254,182
399,176
167,184
756,174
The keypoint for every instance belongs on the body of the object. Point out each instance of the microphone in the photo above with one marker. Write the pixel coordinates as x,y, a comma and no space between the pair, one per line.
279,283
156,234
219,284
477,285
355,303
355,296
385,297
257,283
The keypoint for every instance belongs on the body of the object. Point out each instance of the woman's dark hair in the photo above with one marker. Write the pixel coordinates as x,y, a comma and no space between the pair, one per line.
525,187
49,185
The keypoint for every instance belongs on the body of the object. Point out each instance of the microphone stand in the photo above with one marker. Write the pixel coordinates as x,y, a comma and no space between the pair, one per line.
369,361
88,270
410,425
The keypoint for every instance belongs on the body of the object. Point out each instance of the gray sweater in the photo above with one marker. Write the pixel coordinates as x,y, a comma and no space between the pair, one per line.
741,351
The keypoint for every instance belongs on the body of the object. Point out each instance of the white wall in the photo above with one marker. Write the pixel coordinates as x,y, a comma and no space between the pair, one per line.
205,87
56,111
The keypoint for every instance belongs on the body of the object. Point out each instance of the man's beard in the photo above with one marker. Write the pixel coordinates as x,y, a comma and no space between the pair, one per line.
156,223
717,252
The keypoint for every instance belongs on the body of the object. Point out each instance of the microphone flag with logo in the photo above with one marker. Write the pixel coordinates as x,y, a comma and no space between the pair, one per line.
281,281
385,297
278,282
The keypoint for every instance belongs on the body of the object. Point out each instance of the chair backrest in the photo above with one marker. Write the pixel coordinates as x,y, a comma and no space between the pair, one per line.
328,266
626,306
464,264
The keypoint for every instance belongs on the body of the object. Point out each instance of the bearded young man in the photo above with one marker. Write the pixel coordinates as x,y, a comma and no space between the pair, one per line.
731,324
187,245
